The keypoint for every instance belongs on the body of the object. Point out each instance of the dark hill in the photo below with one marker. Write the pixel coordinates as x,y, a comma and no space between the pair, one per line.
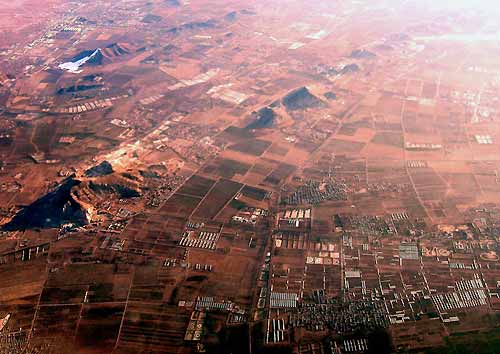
103,169
362,54
103,55
330,96
169,49
197,25
200,25
52,210
122,191
115,50
97,59
351,68
77,88
150,18
301,99
264,118
231,17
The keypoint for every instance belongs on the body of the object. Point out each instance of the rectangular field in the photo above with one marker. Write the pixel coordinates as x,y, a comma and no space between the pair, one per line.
279,174
196,186
217,198
180,205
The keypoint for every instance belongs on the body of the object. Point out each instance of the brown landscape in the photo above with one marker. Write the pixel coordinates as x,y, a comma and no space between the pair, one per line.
307,177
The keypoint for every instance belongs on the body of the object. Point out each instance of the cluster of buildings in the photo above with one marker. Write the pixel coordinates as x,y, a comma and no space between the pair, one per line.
341,318
314,192
249,215
204,239
422,146
90,105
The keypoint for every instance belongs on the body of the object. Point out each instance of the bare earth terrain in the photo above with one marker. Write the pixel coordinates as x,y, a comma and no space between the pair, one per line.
249,176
